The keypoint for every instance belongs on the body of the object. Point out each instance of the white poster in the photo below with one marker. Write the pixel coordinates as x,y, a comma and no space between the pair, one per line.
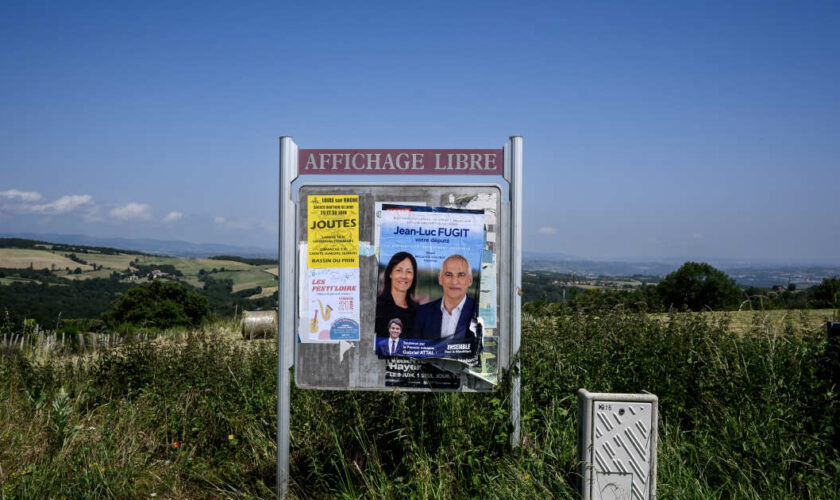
332,308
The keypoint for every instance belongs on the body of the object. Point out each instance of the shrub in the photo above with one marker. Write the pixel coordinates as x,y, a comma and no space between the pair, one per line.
160,305
698,286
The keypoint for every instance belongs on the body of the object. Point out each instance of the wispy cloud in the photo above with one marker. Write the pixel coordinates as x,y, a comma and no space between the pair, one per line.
14,194
31,202
131,211
173,216
547,230
219,220
63,205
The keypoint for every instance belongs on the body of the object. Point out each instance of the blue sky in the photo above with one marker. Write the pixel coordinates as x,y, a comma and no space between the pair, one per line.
652,129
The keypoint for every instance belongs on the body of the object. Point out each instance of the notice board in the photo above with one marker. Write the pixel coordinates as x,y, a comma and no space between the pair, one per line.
346,238
399,269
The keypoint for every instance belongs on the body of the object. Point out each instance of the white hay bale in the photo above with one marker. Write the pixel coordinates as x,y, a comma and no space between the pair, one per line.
259,324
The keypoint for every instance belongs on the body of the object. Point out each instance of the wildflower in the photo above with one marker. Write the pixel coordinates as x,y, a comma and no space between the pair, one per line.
230,437
176,444
153,495
527,477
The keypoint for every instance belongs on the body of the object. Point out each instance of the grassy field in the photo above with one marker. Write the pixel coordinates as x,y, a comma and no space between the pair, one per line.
243,275
746,414
249,278
100,273
267,291
118,262
39,259
811,321
193,266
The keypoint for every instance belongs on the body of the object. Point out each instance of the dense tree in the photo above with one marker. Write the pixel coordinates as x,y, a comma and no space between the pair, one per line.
826,294
159,305
698,286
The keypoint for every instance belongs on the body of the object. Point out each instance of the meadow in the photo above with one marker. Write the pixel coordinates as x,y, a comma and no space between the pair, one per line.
58,260
39,259
191,414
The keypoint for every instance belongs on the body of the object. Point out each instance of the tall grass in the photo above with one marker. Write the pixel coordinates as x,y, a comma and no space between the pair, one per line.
751,415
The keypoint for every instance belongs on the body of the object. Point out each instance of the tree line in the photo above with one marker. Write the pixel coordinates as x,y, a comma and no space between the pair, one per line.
695,286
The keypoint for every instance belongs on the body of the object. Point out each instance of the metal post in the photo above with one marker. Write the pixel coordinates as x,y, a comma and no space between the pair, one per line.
285,308
515,281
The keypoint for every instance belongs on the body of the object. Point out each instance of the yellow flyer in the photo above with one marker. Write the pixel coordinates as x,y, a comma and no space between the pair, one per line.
333,231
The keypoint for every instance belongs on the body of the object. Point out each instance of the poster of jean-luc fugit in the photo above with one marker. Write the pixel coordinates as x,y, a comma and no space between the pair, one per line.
430,261
331,289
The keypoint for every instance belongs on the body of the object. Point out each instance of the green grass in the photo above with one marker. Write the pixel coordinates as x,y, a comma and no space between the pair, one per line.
193,266
101,273
751,414
809,320
118,262
15,279
249,278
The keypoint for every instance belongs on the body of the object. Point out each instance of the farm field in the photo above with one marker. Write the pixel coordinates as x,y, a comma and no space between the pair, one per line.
249,278
39,259
193,266
810,320
267,291
87,291
115,262
100,273
746,414
243,275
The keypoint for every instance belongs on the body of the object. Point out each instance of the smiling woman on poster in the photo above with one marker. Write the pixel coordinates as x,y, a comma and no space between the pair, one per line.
397,297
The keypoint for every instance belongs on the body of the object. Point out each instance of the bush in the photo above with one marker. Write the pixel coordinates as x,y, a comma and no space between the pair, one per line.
699,286
748,415
160,305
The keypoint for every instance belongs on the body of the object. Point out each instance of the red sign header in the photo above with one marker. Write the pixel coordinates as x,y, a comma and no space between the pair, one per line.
400,161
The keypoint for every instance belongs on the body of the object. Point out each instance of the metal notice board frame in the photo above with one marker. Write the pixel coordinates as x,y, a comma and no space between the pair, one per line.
454,178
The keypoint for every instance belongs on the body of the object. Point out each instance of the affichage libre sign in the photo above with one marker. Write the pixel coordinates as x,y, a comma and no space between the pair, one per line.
398,283
401,161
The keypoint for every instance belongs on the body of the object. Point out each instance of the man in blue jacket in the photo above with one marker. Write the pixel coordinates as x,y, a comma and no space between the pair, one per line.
391,345
448,317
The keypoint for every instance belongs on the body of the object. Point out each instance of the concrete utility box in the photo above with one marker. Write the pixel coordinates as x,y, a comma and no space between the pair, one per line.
617,436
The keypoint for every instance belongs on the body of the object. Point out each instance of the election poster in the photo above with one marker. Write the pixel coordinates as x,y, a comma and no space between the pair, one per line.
430,261
330,309
408,372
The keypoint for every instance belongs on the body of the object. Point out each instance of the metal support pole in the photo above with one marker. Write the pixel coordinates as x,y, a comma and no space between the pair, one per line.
285,309
516,282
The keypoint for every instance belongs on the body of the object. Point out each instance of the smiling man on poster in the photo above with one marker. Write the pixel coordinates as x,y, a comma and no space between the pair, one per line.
449,317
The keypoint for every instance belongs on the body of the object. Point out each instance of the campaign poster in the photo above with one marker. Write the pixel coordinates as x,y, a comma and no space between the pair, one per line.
330,309
430,261
408,372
